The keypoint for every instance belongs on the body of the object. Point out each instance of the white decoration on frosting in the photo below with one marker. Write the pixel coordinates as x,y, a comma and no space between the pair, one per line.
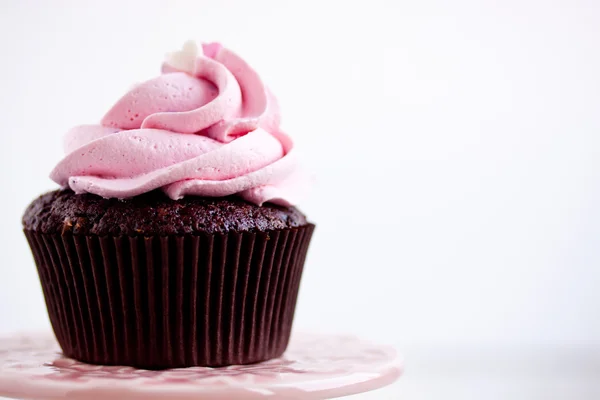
185,59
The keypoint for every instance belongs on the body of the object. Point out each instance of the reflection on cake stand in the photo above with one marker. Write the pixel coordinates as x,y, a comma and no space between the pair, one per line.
315,366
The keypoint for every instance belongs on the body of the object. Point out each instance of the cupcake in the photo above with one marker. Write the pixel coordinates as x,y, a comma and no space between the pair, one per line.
174,241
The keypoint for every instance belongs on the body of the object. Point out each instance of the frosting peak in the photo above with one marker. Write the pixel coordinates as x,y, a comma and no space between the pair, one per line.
206,126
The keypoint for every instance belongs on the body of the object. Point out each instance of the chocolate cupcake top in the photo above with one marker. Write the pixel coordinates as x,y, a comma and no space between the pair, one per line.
153,213
207,126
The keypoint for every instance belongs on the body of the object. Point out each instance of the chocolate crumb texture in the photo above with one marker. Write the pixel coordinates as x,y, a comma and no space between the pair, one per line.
63,211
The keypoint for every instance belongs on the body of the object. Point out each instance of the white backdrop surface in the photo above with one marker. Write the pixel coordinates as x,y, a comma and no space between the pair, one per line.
456,147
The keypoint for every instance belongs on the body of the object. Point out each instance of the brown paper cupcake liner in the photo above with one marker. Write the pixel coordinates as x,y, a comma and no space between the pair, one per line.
174,301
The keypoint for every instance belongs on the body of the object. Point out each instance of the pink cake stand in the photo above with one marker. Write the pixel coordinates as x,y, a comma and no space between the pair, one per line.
314,367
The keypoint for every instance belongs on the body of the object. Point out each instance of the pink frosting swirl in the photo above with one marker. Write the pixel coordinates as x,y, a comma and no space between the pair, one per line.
211,130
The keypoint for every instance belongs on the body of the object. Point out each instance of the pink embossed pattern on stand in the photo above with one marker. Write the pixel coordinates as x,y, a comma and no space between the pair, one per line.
314,367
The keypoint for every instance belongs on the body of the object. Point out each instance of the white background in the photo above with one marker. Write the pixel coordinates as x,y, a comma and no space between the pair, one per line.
456,147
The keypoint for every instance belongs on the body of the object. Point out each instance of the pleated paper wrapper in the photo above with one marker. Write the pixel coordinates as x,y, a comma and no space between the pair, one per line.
172,301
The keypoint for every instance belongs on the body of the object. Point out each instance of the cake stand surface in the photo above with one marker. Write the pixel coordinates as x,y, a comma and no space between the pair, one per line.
316,366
